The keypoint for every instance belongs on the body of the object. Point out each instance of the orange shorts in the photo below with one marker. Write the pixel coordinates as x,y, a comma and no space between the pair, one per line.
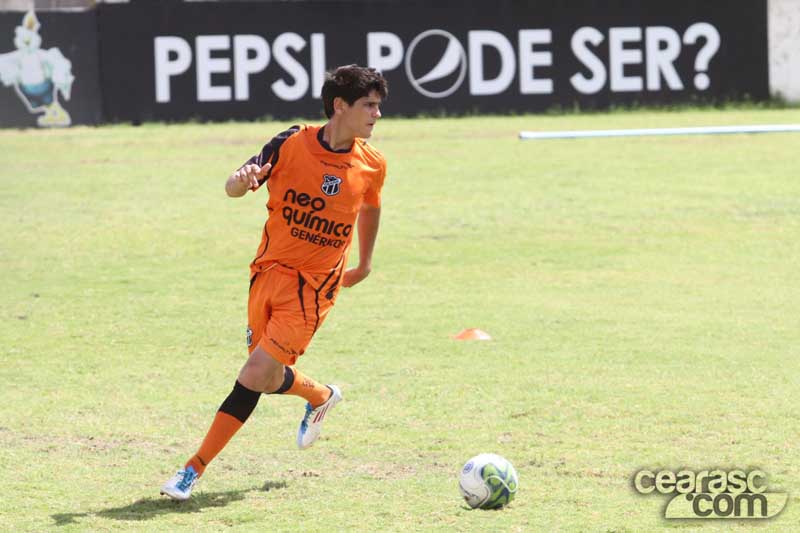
284,312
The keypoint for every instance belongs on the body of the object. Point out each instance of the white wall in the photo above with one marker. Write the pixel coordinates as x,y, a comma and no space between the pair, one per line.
784,48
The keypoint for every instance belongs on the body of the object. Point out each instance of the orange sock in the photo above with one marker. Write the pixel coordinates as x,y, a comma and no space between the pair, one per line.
222,429
307,388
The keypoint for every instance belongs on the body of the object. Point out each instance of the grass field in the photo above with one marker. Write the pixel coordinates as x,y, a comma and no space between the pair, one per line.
643,295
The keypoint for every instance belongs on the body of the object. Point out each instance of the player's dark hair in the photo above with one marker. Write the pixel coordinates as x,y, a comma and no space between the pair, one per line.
351,82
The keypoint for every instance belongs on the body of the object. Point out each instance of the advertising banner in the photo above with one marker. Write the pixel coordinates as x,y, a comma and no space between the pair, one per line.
177,61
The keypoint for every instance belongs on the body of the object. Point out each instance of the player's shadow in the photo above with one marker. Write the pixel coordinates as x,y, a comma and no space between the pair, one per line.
148,508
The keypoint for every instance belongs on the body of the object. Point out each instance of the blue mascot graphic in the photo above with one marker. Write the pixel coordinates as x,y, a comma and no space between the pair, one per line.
38,75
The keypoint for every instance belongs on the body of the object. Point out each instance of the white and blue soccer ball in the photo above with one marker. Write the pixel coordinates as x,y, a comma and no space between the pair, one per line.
488,481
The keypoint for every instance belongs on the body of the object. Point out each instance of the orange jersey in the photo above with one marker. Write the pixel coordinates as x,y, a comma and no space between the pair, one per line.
315,194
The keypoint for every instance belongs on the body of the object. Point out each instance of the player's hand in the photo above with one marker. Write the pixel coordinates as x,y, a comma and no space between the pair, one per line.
355,275
249,175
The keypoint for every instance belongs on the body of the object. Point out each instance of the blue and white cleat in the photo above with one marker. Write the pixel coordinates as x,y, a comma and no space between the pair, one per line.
179,486
311,425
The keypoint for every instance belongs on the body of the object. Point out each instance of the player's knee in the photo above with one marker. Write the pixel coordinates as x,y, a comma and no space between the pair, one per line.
274,378
261,372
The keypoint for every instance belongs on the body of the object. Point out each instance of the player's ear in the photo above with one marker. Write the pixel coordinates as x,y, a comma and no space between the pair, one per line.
339,105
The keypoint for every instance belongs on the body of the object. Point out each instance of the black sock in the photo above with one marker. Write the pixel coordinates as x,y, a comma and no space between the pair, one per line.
288,380
240,402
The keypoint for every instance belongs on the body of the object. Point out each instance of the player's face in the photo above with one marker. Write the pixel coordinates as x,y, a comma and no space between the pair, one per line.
363,114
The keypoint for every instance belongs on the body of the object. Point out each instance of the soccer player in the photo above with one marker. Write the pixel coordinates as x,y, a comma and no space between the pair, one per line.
323,183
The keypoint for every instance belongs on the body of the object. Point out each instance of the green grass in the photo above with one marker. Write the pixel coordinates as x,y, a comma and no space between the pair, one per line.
642,294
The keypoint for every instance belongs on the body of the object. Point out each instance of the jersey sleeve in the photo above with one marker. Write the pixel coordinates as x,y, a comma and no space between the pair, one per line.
271,152
373,194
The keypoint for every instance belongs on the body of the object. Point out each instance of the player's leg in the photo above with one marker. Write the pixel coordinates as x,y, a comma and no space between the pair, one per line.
259,374
299,311
296,383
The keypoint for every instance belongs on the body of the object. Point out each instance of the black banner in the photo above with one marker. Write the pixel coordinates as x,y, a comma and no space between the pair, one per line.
49,69
175,60
246,60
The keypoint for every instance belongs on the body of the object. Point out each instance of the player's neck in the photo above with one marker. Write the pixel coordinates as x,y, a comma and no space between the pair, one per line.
337,136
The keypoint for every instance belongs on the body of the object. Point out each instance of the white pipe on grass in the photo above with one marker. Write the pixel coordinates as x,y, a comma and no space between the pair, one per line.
706,130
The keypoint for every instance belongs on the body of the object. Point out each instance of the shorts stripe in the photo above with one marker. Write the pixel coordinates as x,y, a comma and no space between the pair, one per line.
316,310
316,298
300,284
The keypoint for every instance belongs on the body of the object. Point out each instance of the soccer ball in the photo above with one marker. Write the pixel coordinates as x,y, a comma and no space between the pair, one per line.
488,481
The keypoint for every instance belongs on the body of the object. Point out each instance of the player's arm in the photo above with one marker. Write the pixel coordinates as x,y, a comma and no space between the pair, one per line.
256,170
368,221
247,178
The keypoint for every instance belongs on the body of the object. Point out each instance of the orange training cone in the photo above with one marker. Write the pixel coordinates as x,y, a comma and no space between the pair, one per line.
473,334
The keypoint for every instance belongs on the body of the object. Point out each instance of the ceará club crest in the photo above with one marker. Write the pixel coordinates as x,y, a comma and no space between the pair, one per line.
331,184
